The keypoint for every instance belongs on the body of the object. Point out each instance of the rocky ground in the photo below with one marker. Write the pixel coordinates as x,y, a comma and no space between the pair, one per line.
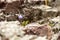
14,31
29,20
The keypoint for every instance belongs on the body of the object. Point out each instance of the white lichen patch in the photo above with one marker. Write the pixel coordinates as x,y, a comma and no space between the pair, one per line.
10,29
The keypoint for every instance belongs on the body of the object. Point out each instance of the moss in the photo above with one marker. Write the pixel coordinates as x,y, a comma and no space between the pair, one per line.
51,23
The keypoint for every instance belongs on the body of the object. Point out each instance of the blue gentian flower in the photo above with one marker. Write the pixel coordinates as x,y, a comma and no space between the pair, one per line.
20,16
